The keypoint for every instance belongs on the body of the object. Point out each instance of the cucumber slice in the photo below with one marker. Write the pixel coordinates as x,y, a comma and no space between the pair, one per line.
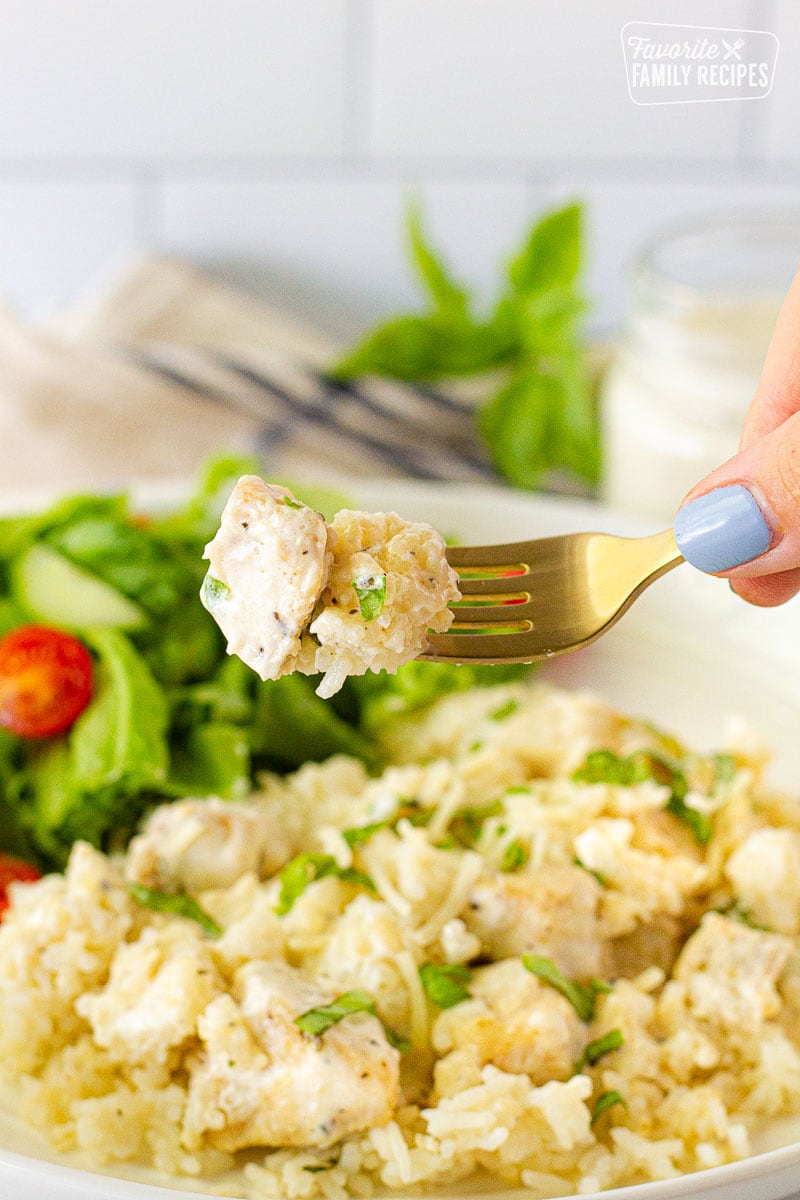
54,590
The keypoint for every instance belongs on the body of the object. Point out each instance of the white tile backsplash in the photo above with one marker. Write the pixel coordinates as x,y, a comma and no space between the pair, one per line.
531,79
59,236
782,109
277,140
145,79
336,247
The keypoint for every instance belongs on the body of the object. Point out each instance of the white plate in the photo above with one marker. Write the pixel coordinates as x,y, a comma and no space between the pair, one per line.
689,655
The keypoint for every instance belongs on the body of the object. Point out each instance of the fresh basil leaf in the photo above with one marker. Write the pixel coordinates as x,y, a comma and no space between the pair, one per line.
316,1020
308,868
599,1048
552,254
371,592
446,984
515,424
290,503
446,295
178,905
419,348
580,997
604,1102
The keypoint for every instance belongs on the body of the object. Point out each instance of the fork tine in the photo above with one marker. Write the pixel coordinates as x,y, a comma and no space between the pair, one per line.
483,648
494,585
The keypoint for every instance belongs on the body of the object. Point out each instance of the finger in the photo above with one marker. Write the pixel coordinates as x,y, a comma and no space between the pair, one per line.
743,520
778,393
767,591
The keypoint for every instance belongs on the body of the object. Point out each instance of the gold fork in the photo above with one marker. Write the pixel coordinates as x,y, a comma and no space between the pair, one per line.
525,601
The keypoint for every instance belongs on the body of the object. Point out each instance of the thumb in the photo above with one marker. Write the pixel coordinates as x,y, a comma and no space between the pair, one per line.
743,520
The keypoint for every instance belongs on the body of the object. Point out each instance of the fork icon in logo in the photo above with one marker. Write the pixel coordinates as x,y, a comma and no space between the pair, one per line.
732,49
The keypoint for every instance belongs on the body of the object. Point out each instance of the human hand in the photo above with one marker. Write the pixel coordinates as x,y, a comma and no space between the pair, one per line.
742,521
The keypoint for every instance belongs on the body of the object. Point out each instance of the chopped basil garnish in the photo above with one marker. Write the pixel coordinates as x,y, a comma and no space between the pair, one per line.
445,985
724,768
603,766
515,856
317,1020
467,823
602,879
179,905
307,868
604,1102
397,1043
581,998
505,710
290,503
214,590
408,810
700,823
362,833
371,592
737,912
599,1048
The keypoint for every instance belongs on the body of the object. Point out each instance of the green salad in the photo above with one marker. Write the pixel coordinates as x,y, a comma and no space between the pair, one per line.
160,710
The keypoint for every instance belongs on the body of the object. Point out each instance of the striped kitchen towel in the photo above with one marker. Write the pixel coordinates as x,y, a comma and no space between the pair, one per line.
169,365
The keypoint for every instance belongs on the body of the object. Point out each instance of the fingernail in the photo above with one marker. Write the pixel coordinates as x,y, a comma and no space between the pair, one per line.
722,529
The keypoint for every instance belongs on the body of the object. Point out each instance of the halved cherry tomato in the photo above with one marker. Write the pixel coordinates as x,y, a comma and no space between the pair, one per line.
13,870
45,681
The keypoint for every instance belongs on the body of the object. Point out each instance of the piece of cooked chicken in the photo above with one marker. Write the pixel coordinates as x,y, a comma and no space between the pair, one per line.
193,845
269,562
513,1021
293,593
260,1081
157,989
730,971
553,912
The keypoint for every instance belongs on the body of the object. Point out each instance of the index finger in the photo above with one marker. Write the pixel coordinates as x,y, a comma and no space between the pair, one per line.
777,396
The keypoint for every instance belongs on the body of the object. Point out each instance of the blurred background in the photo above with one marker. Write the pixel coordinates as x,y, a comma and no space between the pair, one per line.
275,144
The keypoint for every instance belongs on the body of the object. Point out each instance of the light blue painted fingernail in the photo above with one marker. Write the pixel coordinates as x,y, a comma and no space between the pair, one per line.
722,529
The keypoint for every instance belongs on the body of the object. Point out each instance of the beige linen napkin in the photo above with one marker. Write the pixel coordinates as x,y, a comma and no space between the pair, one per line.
166,366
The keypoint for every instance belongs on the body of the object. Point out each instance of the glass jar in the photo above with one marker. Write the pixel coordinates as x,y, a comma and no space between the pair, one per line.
705,301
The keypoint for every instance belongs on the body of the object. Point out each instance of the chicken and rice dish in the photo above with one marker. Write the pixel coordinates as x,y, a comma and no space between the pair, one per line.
548,945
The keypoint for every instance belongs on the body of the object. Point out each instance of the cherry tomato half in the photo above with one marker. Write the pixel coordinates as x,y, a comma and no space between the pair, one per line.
45,681
13,870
